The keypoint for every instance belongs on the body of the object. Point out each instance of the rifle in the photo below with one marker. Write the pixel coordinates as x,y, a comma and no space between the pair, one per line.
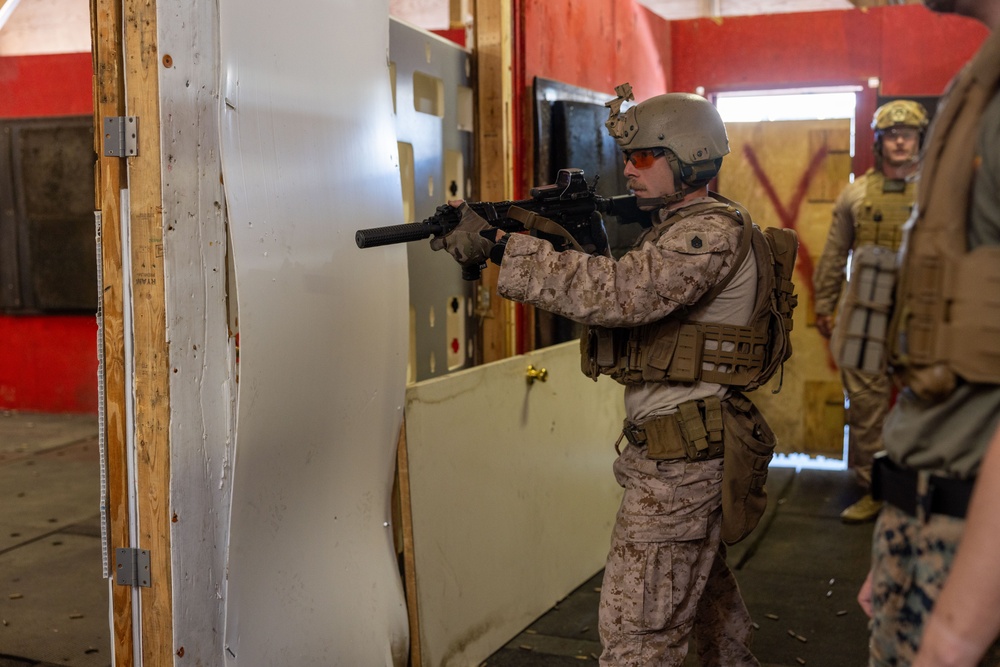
570,202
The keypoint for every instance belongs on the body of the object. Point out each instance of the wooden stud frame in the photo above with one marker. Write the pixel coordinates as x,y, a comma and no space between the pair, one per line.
125,47
493,32
110,178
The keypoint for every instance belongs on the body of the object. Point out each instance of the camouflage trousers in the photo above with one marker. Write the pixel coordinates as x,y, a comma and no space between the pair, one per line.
910,562
666,581
869,397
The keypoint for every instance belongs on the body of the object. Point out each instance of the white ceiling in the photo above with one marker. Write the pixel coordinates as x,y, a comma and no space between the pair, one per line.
32,27
59,26
689,9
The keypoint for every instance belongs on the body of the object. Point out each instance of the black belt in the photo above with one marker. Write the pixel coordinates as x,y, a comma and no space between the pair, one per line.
901,487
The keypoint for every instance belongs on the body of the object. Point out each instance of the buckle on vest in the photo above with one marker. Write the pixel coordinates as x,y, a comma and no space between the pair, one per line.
635,435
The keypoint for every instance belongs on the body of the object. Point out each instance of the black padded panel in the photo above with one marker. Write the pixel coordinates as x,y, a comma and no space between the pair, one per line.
52,181
570,132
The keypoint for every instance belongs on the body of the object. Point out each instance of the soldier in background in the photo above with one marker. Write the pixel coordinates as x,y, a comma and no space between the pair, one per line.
871,210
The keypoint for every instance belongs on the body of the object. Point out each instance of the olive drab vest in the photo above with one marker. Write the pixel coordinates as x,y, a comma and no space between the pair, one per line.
886,207
947,316
676,349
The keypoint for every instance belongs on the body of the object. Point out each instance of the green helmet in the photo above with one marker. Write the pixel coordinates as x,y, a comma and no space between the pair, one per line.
687,125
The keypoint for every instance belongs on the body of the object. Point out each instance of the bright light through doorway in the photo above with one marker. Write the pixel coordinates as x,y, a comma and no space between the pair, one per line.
800,106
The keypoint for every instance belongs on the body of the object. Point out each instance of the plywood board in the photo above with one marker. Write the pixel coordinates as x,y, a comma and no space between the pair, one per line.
109,177
824,419
512,496
309,156
772,169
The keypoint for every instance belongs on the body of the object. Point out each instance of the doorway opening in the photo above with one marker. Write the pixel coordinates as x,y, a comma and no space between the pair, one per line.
800,104
813,104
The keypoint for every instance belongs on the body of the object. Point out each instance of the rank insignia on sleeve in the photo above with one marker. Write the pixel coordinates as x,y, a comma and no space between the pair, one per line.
696,243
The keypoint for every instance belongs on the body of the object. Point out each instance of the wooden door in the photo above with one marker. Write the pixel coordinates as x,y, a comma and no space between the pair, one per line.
788,174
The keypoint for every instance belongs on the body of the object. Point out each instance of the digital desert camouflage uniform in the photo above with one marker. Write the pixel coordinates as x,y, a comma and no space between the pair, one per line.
666,578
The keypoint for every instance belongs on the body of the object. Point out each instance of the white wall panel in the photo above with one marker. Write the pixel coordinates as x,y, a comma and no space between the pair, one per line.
202,354
309,156
512,494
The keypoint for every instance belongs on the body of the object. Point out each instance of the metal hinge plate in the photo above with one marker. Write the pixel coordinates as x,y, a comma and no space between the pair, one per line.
132,567
121,136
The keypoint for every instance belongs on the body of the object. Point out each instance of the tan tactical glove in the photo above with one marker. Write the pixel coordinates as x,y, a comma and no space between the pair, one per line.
465,243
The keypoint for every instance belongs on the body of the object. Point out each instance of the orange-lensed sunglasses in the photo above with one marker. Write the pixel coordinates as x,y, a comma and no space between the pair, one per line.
643,158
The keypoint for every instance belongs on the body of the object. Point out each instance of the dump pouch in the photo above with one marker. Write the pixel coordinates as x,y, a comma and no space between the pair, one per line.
749,446
860,339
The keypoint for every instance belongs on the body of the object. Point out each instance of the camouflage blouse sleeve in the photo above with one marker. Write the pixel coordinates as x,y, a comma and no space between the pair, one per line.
648,283
828,280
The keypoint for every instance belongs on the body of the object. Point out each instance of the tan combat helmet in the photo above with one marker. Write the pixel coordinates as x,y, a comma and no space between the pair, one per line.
898,113
688,126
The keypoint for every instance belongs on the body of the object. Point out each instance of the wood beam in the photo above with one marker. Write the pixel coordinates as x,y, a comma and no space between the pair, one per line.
493,39
458,13
124,39
409,560
109,179
151,359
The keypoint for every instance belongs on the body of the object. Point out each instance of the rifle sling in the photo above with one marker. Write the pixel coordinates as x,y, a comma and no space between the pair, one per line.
532,221
741,254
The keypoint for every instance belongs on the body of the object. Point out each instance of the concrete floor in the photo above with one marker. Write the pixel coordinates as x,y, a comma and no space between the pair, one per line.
53,599
799,571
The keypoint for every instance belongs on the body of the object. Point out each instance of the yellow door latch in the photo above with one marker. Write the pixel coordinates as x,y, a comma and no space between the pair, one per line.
537,374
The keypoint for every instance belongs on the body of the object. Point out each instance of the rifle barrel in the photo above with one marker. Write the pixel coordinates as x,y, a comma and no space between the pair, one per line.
410,231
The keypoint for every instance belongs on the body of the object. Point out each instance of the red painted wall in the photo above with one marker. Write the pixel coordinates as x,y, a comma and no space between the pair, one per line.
50,85
48,363
912,50
596,44
601,43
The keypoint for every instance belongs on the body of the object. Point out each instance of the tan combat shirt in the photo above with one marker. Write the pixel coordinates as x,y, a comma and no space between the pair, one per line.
656,279
828,280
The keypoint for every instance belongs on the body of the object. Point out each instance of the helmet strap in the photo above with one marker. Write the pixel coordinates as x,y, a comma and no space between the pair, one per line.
660,202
